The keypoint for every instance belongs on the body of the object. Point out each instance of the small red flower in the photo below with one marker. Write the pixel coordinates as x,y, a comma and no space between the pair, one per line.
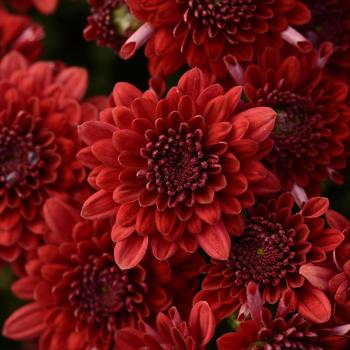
312,124
39,112
271,252
202,32
20,34
79,295
46,7
171,331
110,23
172,170
284,330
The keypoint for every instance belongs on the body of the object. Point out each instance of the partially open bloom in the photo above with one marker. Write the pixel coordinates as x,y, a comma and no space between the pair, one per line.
271,252
284,330
312,124
172,170
110,23
80,297
171,331
21,34
46,7
202,32
331,22
39,111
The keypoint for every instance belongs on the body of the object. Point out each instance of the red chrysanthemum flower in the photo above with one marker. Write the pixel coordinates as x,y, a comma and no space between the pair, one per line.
331,22
271,252
284,330
81,297
312,124
110,23
39,112
202,32
20,34
171,331
171,170
46,7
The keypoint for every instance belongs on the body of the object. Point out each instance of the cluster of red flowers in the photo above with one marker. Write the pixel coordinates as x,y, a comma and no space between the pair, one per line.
185,217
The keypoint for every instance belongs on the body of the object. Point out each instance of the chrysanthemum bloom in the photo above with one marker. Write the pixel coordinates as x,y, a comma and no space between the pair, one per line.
312,123
331,22
284,330
201,32
21,34
39,112
275,245
171,170
46,7
110,23
81,297
171,331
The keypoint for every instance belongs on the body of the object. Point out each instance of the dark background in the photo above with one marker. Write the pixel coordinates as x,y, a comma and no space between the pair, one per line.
64,42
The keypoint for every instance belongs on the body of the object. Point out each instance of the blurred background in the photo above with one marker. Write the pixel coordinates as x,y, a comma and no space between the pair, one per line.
64,42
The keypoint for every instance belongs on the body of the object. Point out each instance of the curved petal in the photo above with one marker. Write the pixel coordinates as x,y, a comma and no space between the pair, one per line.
130,252
25,323
202,323
215,241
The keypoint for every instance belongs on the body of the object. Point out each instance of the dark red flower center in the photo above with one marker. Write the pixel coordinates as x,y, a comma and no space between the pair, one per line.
263,254
101,291
19,157
177,164
297,129
328,24
112,22
222,14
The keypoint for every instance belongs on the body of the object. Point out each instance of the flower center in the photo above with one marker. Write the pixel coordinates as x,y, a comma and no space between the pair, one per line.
263,253
221,13
113,21
177,164
19,158
296,132
101,292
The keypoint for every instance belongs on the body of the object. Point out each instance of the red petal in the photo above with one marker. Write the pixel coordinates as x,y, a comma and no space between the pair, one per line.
261,122
119,232
130,252
313,304
318,276
202,323
74,80
99,206
92,131
215,241
315,207
60,218
46,6
337,220
210,213
25,323
104,151
255,302
192,83
124,93
161,248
